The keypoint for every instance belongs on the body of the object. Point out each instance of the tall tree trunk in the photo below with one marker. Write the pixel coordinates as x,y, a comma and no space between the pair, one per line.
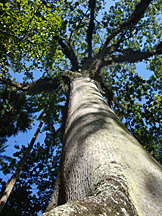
103,169
16,174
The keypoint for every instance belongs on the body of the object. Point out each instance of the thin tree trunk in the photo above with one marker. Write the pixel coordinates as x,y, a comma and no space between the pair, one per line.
12,181
103,169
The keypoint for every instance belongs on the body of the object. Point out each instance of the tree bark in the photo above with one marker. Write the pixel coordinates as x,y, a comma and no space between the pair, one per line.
16,174
103,169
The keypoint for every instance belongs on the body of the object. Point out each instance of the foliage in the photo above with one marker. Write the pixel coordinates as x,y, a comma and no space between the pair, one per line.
26,27
35,184
3,158
76,38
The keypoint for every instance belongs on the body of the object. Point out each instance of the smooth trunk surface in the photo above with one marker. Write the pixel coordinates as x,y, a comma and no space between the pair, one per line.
102,164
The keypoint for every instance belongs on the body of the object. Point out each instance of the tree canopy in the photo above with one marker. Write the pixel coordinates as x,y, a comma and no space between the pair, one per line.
67,39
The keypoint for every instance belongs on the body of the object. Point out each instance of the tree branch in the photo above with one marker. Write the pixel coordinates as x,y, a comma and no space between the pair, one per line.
137,13
45,84
131,56
115,47
92,5
33,87
14,36
88,60
69,52
132,20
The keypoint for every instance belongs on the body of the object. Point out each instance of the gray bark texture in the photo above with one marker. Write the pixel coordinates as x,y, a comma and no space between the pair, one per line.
103,169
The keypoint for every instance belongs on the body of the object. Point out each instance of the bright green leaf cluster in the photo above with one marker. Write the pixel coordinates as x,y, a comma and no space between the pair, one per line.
26,29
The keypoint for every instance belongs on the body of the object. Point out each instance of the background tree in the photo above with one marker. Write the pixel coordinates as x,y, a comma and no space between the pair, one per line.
14,177
90,42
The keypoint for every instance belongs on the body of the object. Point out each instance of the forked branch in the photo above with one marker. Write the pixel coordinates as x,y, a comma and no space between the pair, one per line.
134,18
